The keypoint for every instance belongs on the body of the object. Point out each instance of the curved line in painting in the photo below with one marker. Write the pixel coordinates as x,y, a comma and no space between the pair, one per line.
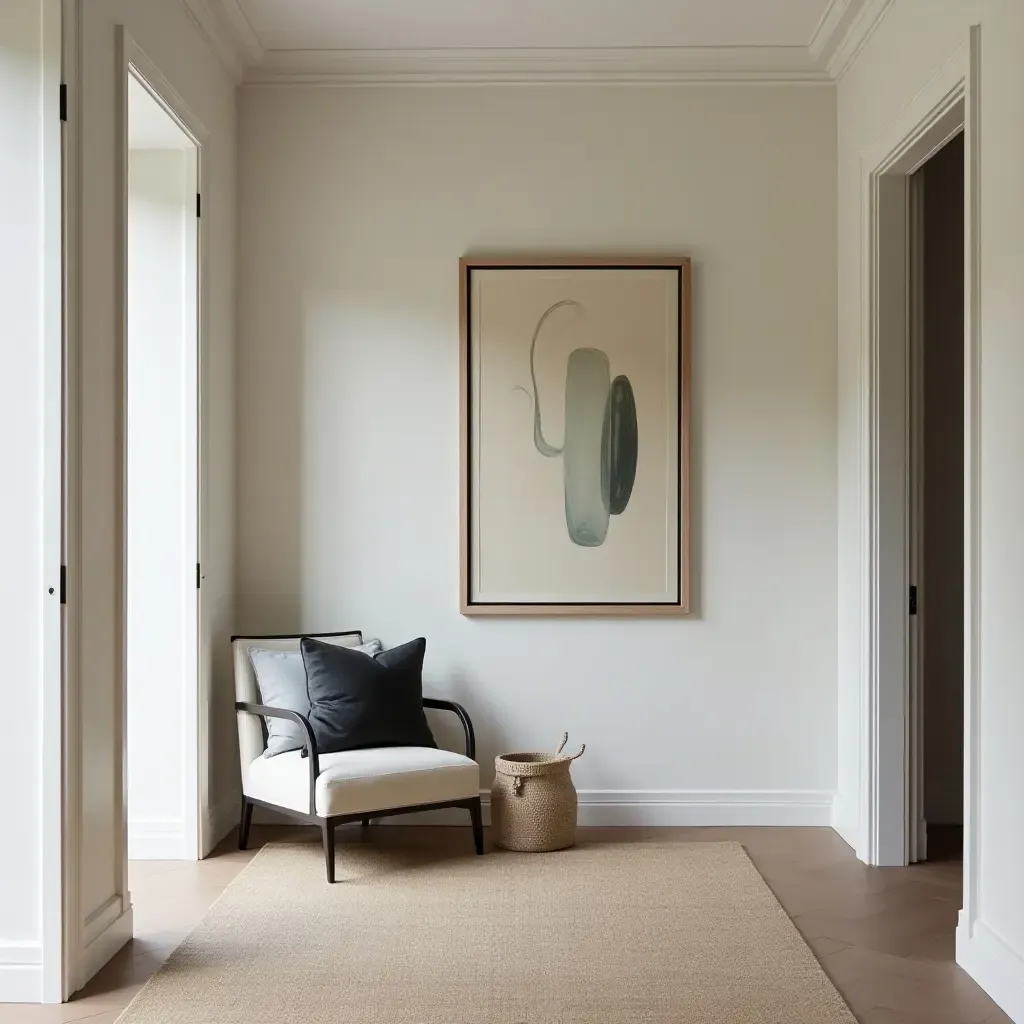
601,445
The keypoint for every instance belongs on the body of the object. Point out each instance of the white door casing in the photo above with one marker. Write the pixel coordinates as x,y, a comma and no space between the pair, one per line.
889,702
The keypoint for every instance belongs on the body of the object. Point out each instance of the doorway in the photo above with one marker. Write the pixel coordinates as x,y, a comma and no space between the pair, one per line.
161,479
891,725
937,504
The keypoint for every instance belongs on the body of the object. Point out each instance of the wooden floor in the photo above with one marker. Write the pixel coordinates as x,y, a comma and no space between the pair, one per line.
885,935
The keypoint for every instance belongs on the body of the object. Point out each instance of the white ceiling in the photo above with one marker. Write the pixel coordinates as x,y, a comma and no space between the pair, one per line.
452,24
512,41
149,125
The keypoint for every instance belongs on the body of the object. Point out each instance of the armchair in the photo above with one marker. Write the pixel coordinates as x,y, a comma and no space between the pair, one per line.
332,789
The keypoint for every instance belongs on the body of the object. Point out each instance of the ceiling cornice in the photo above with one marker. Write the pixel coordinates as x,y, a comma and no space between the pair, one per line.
867,19
842,31
832,26
237,24
227,30
484,66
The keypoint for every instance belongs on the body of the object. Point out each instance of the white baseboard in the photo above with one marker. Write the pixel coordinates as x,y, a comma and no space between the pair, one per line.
994,965
672,807
21,972
158,839
843,824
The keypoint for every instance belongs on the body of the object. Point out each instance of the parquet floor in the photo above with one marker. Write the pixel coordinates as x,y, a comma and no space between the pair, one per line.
884,935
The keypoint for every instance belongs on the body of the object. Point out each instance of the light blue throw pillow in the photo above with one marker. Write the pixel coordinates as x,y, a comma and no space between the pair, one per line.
281,678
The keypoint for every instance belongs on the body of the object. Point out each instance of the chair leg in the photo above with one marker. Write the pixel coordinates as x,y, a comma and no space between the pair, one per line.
243,825
478,824
366,822
328,830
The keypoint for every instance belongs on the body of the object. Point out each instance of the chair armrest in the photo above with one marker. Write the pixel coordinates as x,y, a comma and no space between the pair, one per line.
264,711
463,716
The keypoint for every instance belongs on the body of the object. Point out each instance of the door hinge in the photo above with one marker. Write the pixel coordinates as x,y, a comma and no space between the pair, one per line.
199,204
63,584
913,600
63,101
198,576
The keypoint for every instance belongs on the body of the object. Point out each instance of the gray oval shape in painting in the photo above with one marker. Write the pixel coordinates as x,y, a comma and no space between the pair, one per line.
619,446
587,377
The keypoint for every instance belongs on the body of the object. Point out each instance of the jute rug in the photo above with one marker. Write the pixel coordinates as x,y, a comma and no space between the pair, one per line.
630,933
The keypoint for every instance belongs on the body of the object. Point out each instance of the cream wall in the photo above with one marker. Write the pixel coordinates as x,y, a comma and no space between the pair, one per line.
914,40
355,207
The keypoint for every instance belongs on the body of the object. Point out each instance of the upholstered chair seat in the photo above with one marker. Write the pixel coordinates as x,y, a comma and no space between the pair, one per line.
364,781
355,785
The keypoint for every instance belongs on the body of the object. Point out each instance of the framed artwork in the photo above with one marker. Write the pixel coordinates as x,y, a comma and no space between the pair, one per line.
575,436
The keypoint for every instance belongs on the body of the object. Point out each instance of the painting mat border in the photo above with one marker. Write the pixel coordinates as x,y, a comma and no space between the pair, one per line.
680,607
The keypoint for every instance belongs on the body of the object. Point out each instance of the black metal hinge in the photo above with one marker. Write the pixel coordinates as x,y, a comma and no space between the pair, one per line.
198,577
63,101
199,205
913,600
63,584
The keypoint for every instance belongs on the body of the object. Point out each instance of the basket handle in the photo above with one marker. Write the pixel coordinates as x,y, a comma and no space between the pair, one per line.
561,747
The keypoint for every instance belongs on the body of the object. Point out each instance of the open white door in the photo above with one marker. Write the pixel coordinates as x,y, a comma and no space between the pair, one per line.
103,64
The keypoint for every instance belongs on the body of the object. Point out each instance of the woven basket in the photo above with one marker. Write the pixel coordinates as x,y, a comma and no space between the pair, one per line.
533,801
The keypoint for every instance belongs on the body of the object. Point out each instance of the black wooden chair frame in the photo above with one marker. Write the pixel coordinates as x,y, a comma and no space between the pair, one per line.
330,823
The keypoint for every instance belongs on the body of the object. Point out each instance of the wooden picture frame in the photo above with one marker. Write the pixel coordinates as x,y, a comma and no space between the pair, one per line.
604,461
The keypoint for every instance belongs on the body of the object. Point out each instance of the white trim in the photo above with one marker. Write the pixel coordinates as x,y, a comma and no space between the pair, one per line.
236,23
667,807
187,845
20,953
860,31
223,33
72,438
841,32
832,27
152,79
935,114
917,832
52,705
842,824
21,973
506,66
159,839
993,964
973,804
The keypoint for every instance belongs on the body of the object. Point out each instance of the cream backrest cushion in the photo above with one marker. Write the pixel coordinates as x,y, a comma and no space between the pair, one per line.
251,743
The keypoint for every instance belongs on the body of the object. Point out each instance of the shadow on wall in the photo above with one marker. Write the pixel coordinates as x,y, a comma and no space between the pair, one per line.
331,412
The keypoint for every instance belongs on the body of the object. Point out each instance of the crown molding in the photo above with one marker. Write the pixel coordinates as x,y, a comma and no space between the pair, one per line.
238,25
227,30
832,27
486,66
860,30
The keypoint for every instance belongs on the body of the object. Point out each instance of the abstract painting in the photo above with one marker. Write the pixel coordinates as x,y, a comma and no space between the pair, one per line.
575,437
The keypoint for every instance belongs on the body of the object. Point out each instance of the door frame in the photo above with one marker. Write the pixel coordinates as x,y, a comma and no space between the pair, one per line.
917,826
55,372
133,62
947,105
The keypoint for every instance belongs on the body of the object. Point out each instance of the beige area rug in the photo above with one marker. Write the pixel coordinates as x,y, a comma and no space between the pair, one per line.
631,933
